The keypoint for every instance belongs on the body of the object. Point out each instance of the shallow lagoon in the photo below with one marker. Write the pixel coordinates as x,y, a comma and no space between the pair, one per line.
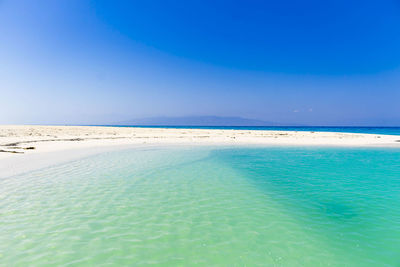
207,206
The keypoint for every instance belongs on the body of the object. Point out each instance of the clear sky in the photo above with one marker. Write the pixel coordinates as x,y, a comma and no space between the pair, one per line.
303,62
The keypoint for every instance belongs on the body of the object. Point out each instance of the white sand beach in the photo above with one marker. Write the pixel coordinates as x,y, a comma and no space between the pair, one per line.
25,147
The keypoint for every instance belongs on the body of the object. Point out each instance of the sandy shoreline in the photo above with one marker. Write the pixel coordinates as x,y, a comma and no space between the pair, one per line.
25,147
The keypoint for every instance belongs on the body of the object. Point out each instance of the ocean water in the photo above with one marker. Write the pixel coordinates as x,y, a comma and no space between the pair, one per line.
343,129
207,206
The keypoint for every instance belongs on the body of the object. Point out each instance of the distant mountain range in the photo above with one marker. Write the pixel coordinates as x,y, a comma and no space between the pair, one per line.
197,121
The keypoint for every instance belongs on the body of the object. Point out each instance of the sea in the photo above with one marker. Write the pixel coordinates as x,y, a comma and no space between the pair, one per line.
342,129
207,206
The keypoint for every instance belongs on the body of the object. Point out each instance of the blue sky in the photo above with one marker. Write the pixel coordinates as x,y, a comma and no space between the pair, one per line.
293,62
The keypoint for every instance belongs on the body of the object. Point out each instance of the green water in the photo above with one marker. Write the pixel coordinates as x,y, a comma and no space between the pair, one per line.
207,206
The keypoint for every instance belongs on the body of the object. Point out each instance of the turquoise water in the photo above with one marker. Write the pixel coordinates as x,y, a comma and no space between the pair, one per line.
207,206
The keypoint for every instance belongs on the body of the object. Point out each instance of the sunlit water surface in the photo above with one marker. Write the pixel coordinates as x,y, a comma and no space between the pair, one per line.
207,206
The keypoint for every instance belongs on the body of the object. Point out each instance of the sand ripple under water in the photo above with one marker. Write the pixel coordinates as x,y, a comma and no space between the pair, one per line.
207,206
